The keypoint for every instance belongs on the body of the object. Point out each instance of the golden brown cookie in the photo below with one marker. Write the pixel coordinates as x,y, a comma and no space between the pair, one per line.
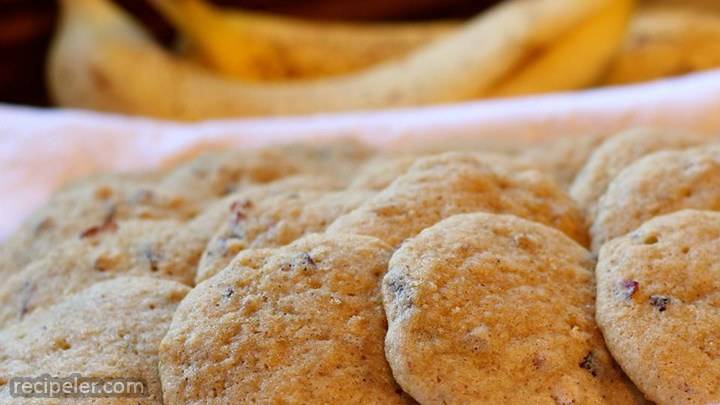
658,184
492,309
658,304
216,174
440,186
162,249
305,326
111,330
274,221
88,209
560,158
378,172
618,152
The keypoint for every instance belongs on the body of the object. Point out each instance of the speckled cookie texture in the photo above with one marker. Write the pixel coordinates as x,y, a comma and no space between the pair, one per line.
304,326
89,208
658,184
618,152
163,249
560,158
440,186
494,309
658,305
216,174
274,221
112,329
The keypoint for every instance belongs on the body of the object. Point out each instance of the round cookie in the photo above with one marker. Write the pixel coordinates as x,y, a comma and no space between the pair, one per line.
657,184
658,305
216,174
380,171
110,330
162,249
440,186
90,208
618,152
486,308
274,221
305,326
560,158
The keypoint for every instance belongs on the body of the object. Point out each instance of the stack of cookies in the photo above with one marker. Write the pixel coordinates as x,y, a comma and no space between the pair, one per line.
575,271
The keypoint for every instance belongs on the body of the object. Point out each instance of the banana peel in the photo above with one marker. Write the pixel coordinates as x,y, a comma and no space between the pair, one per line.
260,47
101,59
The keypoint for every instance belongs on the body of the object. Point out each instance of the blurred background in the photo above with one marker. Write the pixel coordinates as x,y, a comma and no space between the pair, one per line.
26,27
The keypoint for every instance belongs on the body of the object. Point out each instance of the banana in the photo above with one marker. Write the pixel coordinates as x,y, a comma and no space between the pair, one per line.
578,59
260,47
667,41
102,60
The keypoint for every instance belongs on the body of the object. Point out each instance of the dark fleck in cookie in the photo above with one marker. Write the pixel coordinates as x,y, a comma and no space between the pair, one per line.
658,184
658,305
305,326
162,249
111,330
440,186
87,210
618,152
495,309
274,221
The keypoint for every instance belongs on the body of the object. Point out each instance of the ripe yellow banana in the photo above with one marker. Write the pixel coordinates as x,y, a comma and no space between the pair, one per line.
102,60
667,41
260,47
578,59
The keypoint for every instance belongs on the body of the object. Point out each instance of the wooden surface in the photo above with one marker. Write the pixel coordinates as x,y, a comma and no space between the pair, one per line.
26,27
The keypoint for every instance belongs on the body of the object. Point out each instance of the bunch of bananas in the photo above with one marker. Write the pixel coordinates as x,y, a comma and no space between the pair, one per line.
236,63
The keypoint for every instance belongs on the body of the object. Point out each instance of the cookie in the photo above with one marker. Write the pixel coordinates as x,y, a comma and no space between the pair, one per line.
379,172
658,305
382,170
162,249
217,174
274,221
618,152
440,186
305,326
492,309
657,184
111,330
560,158
87,209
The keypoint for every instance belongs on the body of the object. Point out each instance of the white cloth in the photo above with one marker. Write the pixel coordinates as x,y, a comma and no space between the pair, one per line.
42,149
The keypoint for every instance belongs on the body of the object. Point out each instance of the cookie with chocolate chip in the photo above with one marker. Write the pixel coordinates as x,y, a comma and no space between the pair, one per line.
618,152
658,305
305,324
110,330
274,221
440,186
494,309
658,184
